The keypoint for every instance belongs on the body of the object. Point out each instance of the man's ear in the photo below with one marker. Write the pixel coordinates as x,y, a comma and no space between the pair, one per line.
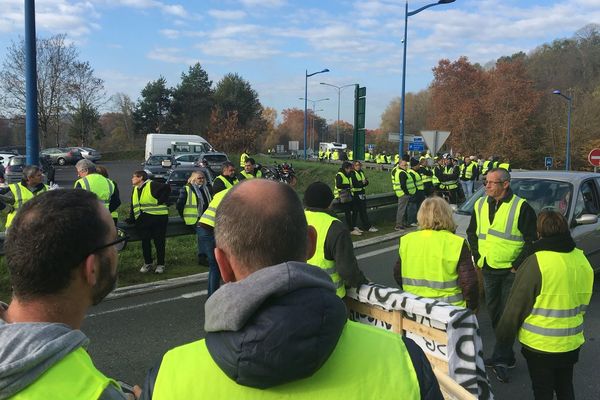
311,243
88,269
224,265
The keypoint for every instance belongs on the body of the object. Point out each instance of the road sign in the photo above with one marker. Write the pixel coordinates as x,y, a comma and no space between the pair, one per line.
416,146
435,139
395,137
371,146
418,139
594,157
548,162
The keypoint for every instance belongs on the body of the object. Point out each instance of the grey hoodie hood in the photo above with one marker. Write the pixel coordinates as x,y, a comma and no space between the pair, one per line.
27,350
278,325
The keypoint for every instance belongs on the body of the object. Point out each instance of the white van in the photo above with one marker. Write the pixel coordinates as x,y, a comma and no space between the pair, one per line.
166,143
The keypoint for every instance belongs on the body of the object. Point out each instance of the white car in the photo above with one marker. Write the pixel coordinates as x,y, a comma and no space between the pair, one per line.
575,194
89,154
187,160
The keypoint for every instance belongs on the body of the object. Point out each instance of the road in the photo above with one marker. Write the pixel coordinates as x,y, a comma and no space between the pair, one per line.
130,334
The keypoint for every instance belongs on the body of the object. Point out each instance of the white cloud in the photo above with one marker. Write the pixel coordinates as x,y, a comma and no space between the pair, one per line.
263,3
237,49
172,55
227,14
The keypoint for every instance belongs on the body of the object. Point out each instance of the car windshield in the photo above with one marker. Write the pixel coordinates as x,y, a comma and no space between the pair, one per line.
215,158
157,160
540,194
17,161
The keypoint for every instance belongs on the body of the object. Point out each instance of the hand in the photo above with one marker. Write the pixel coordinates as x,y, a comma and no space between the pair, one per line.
137,391
513,270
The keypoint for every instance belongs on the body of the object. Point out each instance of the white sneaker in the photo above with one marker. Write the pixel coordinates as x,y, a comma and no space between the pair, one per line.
356,228
355,233
159,269
145,268
414,224
373,229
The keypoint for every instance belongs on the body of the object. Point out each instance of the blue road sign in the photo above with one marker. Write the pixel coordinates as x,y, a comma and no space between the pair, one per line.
418,139
418,146
548,162
371,146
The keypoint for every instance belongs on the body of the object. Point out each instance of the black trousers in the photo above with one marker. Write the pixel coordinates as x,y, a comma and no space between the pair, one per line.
152,228
551,373
347,209
360,209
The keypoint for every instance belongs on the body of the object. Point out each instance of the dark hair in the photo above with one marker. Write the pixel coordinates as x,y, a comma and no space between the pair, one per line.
318,195
141,174
101,169
271,235
250,160
551,223
50,236
346,165
226,164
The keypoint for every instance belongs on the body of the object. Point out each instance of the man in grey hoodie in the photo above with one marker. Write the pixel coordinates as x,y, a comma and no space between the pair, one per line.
61,254
277,328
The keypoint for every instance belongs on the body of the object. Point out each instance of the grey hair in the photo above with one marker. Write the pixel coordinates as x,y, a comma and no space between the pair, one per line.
503,174
30,170
85,165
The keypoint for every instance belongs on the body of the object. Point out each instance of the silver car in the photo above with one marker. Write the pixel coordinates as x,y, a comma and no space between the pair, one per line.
575,194
89,154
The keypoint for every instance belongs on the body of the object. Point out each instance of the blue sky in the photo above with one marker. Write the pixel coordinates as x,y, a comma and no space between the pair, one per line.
271,42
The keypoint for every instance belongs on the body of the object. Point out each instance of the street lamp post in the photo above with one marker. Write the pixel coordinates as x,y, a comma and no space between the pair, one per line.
306,76
406,15
314,102
568,156
339,89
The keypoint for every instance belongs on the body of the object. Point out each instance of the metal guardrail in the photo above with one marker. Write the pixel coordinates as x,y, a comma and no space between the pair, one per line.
176,226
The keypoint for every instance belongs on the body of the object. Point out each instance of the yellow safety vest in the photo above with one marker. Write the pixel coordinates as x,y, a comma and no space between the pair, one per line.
73,377
360,176
396,158
341,376
248,175
335,155
210,214
190,210
418,182
345,181
429,265
146,202
350,155
449,185
425,178
227,184
243,159
555,324
505,165
434,178
367,156
410,184
22,195
501,242
321,221
99,185
467,171
486,167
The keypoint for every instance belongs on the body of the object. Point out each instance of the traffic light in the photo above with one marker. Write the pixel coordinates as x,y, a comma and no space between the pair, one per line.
360,105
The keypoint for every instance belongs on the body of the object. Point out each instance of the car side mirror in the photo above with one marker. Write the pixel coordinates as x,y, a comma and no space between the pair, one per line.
587,219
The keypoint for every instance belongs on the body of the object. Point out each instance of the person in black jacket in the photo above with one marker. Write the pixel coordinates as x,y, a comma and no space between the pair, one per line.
359,183
343,185
227,178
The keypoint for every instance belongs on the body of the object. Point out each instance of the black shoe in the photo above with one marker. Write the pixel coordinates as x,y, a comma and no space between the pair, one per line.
501,373
489,363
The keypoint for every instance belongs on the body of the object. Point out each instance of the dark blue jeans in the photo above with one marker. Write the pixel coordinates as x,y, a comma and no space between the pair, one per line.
206,245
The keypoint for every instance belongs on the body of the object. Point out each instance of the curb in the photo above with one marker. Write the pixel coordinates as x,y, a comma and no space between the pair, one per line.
172,283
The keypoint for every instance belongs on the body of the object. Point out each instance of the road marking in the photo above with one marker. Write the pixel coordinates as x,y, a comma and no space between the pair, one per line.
149,303
377,252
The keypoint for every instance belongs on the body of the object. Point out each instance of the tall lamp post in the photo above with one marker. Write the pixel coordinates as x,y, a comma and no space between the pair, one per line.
406,15
568,156
314,103
306,76
339,89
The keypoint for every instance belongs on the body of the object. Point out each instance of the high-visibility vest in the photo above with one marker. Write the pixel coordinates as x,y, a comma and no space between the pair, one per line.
335,155
396,158
388,159
340,377
555,324
487,165
424,177
248,175
410,184
429,265
501,242
505,165
321,154
367,156
209,216
146,202
417,179
434,178
345,181
321,221
22,195
99,185
190,210
327,154
227,184
449,185
360,176
243,159
350,155
467,171
73,377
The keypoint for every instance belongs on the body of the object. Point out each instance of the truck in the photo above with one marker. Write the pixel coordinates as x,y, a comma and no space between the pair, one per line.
332,146
175,143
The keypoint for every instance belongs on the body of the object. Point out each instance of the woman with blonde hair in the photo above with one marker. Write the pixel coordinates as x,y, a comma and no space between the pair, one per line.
436,263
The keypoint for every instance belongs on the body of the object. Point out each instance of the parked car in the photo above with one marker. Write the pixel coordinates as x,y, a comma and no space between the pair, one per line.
88,153
187,160
62,155
5,157
179,177
13,172
574,194
213,159
159,166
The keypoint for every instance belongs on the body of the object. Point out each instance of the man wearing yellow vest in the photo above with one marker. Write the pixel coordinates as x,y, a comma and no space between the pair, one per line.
448,175
415,200
546,308
468,176
250,171
500,233
227,178
359,183
92,181
243,158
150,214
335,252
43,350
19,193
247,356
113,206
342,193
404,187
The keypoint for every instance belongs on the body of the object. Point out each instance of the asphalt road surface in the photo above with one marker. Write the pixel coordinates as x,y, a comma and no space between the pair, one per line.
129,335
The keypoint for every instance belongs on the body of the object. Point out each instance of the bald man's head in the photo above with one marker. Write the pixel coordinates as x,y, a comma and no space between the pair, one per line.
262,223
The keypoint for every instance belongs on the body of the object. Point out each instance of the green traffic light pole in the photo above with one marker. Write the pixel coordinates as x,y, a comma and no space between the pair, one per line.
406,15
306,76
